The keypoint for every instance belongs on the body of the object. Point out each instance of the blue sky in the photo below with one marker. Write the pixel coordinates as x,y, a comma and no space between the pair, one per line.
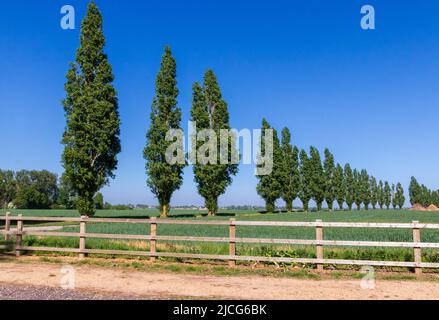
370,96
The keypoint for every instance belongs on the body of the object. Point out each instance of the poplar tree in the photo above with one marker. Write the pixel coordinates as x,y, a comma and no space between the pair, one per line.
91,136
394,197
269,187
210,112
349,186
373,186
305,193
387,195
414,191
400,198
339,186
290,170
317,178
381,197
164,177
434,198
365,189
358,195
329,172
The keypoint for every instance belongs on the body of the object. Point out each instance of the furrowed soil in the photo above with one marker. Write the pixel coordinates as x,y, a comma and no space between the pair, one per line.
112,282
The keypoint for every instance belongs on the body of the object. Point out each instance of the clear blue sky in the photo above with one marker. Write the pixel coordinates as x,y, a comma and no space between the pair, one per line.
372,97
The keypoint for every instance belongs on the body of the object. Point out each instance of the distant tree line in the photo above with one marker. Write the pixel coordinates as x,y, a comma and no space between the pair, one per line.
420,194
32,189
300,175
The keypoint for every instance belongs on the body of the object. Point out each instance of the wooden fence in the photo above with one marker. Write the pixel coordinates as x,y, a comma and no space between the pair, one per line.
232,240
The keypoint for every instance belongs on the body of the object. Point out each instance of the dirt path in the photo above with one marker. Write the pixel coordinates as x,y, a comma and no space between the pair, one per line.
173,285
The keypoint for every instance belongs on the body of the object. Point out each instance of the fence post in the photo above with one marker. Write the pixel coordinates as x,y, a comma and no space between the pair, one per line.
232,242
319,247
7,226
82,237
19,236
417,250
153,240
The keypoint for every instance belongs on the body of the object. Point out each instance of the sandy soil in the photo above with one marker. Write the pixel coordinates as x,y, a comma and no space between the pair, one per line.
174,285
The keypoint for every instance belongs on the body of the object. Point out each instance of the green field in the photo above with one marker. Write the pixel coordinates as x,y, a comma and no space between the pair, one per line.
254,232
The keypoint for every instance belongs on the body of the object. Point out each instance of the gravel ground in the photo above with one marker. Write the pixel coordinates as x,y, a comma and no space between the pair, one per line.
13,292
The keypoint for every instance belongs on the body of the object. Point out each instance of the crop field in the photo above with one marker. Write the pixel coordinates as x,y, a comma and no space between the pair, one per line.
397,254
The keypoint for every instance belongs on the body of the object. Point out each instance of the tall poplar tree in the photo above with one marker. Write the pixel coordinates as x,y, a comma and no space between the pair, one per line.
305,193
317,178
210,112
358,194
400,198
164,176
339,186
394,197
373,192
365,189
290,170
91,136
349,186
387,195
381,197
329,172
269,187
415,191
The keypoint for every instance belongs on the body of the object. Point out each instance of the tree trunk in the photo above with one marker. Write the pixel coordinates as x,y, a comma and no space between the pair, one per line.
289,205
319,206
270,206
164,211
305,206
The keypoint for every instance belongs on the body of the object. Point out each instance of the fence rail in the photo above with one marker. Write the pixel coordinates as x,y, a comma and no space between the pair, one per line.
19,232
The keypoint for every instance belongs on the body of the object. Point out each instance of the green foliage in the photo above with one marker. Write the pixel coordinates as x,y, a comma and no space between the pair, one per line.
339,186
358,192
35,189
387,195
374,192
305,193
99,201
365,189
210,111
8,187
67,196
435,198
425,196
414,191
317,178
400,198
164,178
381,195
393,196
349,185
290,170
91,136
330,183
269,187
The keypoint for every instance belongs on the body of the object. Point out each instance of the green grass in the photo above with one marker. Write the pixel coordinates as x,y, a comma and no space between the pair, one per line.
396,254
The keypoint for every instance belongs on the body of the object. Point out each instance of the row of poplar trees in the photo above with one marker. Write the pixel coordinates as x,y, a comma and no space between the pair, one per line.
92,133
209,111
300,175
92,141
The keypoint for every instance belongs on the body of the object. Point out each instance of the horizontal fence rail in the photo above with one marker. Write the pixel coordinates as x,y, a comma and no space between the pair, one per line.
19,232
